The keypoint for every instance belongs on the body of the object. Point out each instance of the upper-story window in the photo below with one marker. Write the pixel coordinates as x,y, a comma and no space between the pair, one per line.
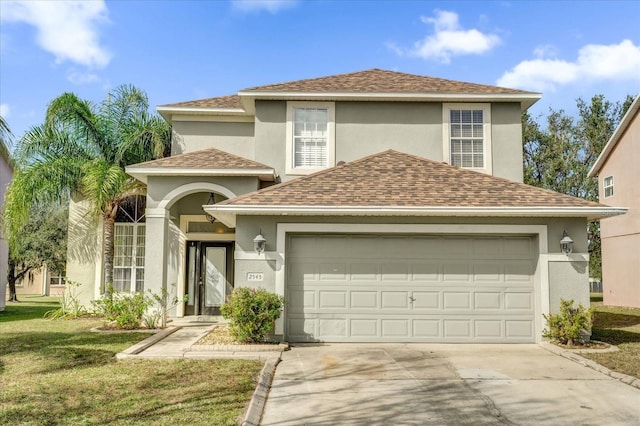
467,136
608,186
310,136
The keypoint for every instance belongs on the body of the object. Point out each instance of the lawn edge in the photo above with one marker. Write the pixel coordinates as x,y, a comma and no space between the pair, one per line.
259,398
624,378
146,343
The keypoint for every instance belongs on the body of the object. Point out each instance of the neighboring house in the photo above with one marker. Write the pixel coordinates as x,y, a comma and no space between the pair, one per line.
619,184
6,172
384,206
41,282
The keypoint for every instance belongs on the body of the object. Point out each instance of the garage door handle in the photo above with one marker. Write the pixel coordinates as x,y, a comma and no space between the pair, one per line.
411,300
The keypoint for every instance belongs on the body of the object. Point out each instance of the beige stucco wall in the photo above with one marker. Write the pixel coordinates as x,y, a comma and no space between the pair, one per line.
621,234
248,227
84,251
35,284
5,177
506,139
234,138
621,270
365,128
361,129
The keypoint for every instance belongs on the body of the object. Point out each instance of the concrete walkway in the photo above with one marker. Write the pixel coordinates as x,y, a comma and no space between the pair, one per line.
443,384
179,342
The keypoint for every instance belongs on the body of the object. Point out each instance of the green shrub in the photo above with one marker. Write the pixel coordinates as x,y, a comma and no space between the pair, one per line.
126,310
70,306
570,326
251,313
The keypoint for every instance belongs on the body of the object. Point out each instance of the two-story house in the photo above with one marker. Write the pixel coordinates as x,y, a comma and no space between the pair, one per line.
619,184
383,206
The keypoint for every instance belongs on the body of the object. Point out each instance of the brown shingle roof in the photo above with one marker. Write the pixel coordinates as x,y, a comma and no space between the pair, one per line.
203,159
229,101
382,81
393,179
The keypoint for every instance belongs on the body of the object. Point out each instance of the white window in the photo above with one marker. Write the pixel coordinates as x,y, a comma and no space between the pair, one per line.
128,257
56,279
310,137
467,136
608,186
128,245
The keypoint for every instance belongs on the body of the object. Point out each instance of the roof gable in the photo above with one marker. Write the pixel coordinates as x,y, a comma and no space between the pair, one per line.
616,136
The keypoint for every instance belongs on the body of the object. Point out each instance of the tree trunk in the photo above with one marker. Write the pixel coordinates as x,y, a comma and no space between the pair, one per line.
13,297
12,279
109,220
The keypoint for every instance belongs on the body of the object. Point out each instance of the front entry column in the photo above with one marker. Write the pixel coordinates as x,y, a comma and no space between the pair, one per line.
155,262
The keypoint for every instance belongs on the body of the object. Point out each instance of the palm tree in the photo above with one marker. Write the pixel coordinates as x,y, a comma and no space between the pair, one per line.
83,149
5,140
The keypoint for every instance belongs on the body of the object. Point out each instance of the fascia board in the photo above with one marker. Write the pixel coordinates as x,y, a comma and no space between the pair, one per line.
613,141
526,99
143,173
588,212
168,112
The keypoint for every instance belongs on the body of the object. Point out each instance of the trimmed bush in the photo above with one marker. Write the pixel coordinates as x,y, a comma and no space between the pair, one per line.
126,310
570,325
251,313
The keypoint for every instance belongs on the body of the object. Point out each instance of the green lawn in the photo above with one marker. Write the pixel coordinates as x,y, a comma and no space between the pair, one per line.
57,372
620,327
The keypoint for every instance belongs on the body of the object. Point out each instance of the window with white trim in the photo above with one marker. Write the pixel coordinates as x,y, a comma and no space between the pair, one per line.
608,186
129,246
467,141
310,136
56,278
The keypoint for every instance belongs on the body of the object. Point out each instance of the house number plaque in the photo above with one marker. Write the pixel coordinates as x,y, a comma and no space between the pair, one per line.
255,276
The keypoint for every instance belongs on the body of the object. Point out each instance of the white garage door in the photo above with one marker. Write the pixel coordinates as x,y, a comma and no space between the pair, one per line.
410,288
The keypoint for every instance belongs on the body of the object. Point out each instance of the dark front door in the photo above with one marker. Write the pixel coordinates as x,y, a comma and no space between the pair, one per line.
209,276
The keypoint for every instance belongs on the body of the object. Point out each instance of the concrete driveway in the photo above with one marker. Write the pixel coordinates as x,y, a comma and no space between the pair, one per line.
443,385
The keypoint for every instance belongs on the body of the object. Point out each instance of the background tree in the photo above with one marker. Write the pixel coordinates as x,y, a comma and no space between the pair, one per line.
560,156
81,150
43,241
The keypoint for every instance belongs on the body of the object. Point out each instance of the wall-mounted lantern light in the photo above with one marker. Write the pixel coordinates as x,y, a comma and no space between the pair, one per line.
566,243
259,242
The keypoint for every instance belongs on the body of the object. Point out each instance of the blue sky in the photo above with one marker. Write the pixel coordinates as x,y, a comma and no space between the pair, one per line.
185,50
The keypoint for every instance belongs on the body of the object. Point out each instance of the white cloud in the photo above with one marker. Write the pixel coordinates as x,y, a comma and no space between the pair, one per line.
5,110
595,62
449,39
67,29
78,77
272,6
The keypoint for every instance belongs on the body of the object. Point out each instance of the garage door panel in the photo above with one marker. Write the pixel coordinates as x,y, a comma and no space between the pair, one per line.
458,272
456,300
395,328
332,271
364,271
492,329
425,300
364,300
518,300
426,271
394,272
394,300
332,300
369,293
364,328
